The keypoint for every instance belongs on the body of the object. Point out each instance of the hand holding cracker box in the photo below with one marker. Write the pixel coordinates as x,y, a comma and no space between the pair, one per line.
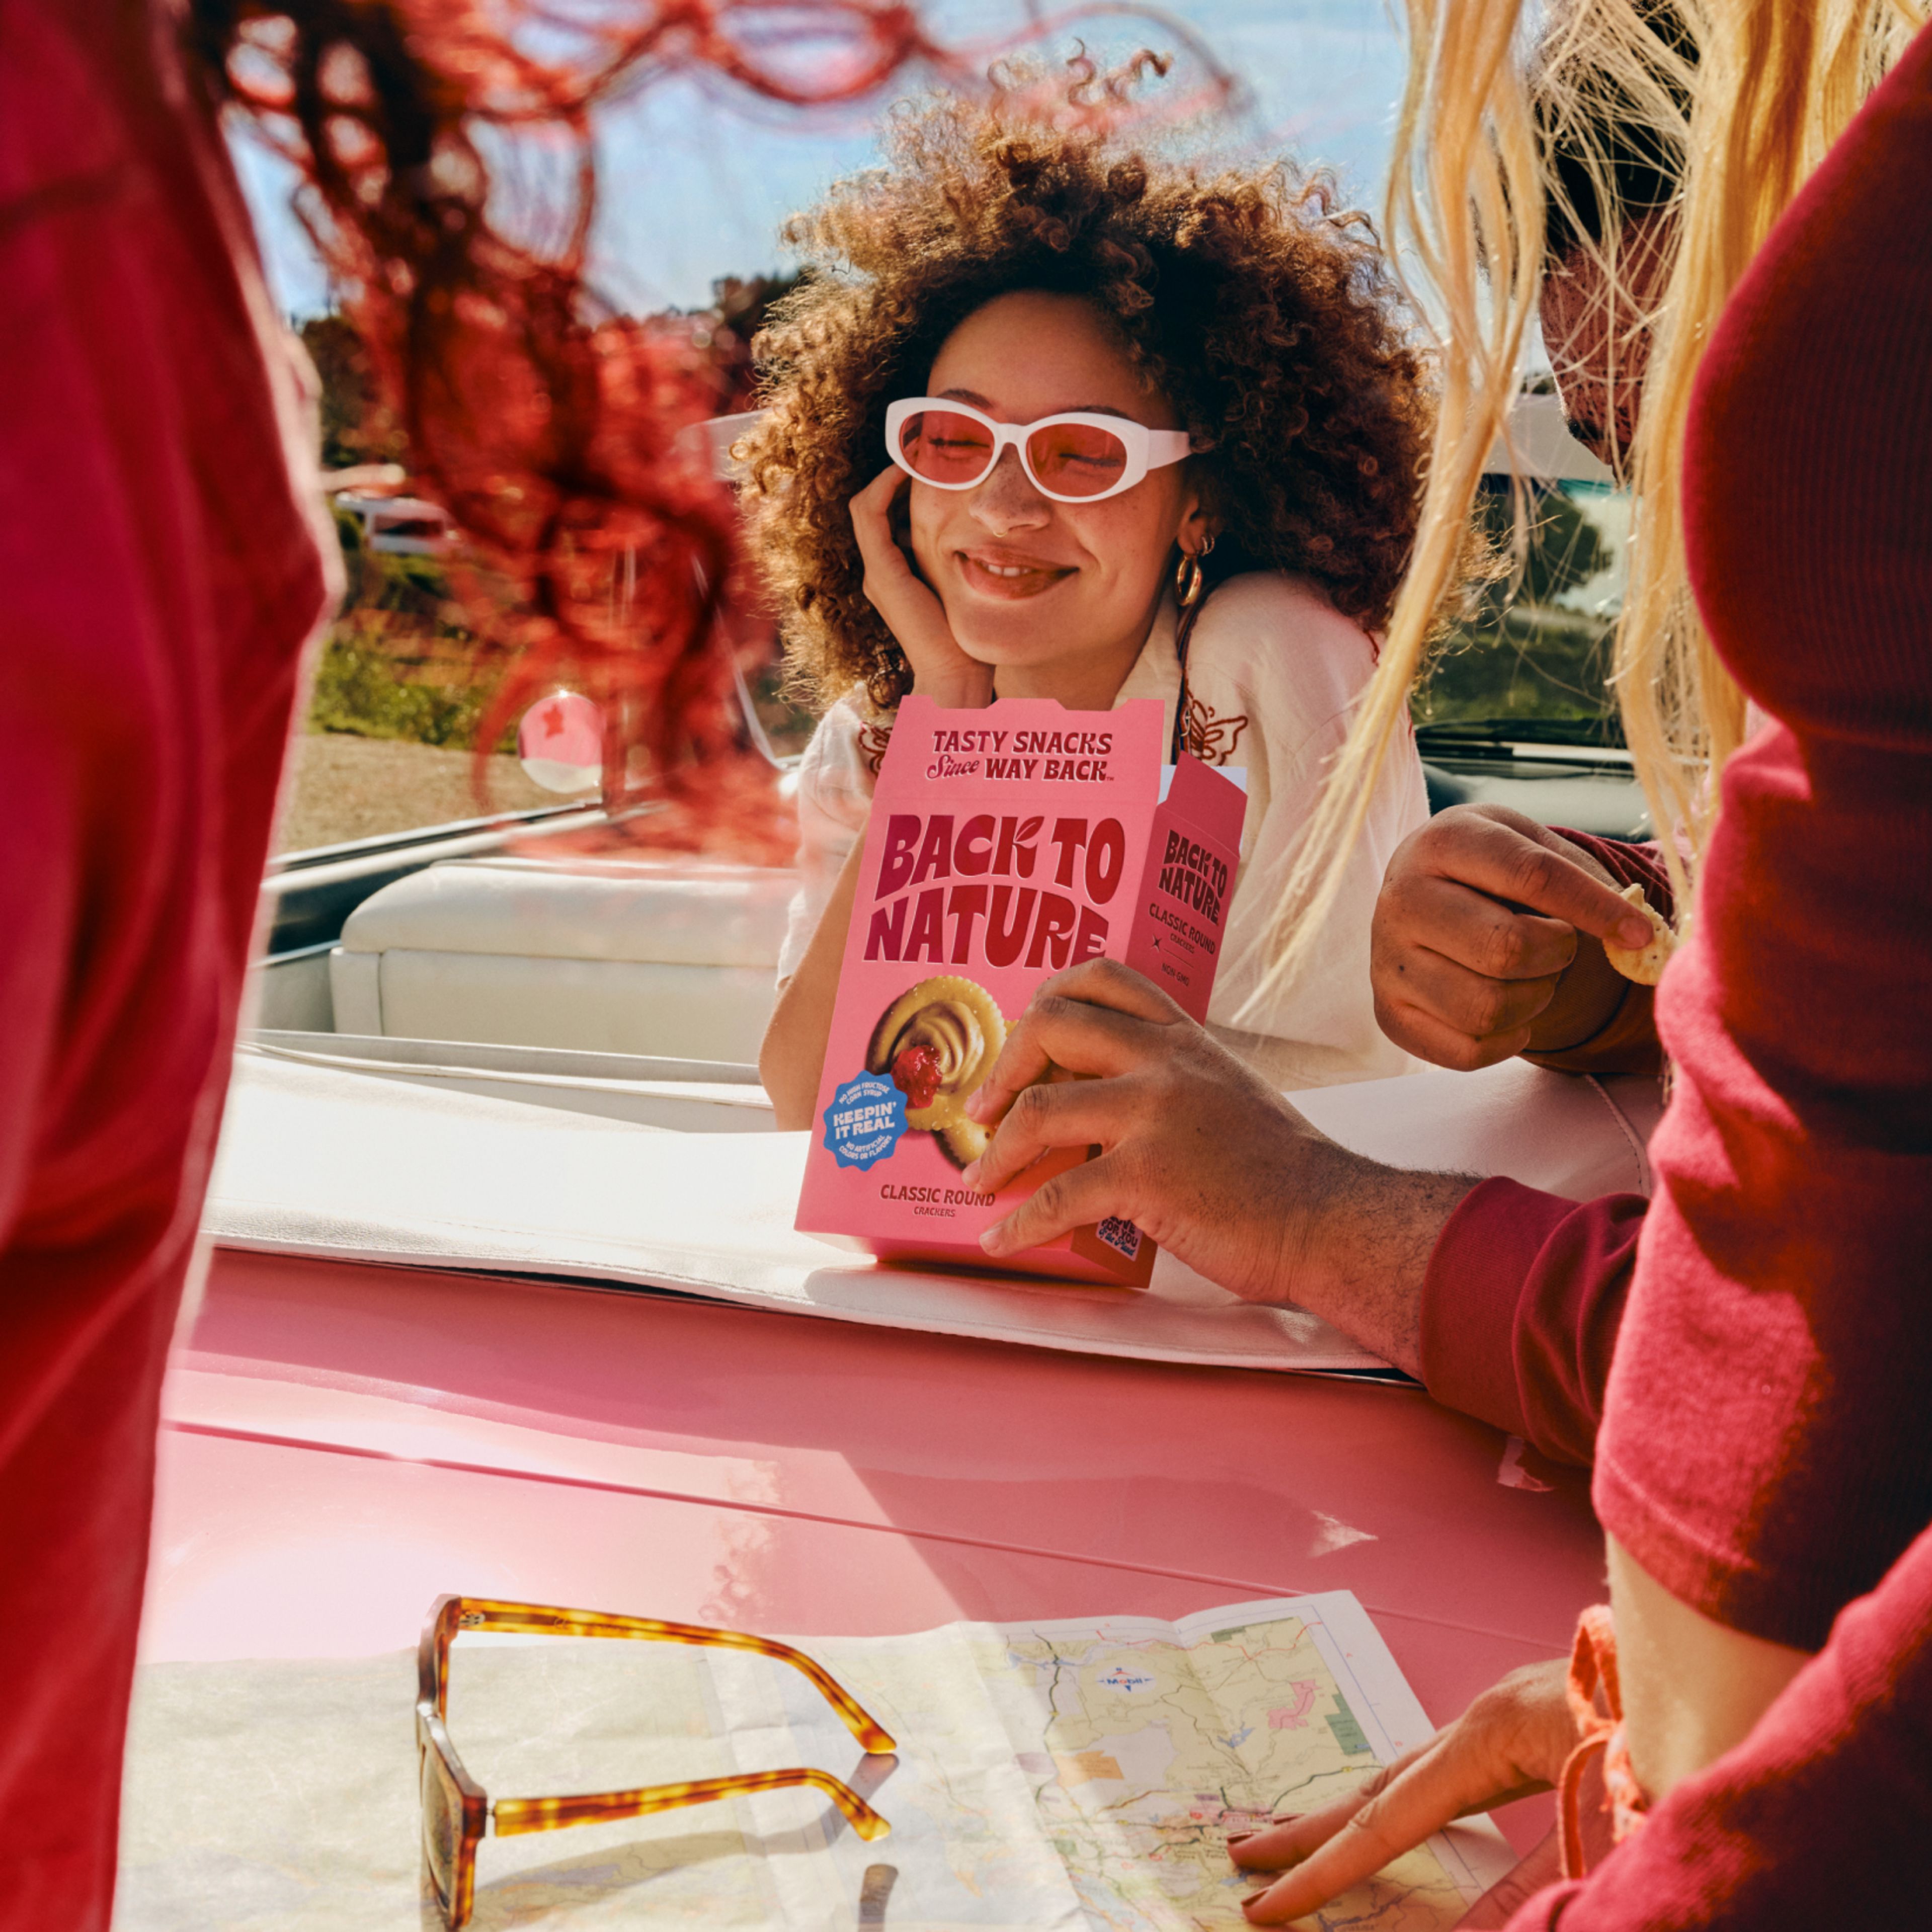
1004,845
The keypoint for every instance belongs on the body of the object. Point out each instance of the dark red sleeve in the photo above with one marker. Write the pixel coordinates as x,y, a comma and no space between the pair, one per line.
1626,1042
1524,1291
1819,1818
1631,863
160,574
1520,1309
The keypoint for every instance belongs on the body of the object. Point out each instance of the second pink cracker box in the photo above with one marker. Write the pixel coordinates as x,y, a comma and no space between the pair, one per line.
1003,845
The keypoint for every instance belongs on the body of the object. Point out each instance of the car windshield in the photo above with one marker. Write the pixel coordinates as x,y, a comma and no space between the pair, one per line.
1530,662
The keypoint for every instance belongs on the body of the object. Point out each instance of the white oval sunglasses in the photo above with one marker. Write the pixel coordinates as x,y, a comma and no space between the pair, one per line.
1076,457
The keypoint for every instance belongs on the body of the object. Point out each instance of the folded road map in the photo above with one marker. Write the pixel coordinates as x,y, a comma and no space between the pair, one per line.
1070,1775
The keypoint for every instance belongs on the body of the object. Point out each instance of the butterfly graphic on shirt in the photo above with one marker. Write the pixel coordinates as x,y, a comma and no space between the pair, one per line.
1207,735
873,740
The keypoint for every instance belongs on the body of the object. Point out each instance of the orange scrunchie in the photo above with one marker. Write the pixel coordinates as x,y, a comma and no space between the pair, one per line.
1596,1701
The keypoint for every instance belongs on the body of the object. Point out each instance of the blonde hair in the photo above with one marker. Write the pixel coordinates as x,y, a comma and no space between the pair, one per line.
1750,93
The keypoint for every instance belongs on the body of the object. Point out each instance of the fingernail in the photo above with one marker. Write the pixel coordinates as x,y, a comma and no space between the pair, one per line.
993,1239
1635,933
970,1173
1239,1838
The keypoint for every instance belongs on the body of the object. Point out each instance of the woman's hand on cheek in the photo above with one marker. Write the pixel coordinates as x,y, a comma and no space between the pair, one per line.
1198,1152
913,613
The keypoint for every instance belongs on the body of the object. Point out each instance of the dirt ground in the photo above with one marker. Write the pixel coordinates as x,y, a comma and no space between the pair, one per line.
343,788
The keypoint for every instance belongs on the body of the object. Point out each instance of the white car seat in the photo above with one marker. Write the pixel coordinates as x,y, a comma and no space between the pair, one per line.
610,955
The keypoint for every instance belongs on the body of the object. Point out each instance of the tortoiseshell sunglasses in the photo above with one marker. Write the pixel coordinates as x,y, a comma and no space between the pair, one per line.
456,1812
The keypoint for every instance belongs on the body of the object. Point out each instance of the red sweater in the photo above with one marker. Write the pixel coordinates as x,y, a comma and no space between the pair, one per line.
158,576
1789,1237
1764,1453
1794,1209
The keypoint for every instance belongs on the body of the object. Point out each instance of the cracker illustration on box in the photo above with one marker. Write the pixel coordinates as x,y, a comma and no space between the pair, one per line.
937,1042
1004,845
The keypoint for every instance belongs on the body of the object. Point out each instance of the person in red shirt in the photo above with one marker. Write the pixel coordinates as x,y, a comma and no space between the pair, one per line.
163,561
1760,1462
165,557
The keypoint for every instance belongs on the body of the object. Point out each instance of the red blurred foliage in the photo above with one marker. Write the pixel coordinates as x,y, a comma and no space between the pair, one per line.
601,554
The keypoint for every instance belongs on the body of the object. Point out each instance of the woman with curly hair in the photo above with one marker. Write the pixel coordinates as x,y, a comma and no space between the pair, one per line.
1231,548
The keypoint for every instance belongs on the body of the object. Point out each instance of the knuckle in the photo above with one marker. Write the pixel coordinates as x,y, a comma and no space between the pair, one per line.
1097,976
1489,1009
1449,830
1372,1822
1530,870
1030,1108
1530,1684
1050,1201
1051,1008
1505,949
1497,1704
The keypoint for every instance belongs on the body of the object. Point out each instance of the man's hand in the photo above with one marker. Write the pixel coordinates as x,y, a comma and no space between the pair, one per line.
1204,1156
913,614
1487,941
1510,1743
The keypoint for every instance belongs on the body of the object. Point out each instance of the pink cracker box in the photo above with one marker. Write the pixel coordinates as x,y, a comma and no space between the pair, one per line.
1004,845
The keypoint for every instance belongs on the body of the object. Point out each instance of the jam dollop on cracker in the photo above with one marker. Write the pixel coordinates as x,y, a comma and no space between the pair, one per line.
916,1074
936,1042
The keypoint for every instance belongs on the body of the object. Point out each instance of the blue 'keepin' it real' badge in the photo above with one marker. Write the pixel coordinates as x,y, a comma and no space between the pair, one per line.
865,1121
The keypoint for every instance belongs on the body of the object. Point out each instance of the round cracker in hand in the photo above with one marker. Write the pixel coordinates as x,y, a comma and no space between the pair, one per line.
1646,964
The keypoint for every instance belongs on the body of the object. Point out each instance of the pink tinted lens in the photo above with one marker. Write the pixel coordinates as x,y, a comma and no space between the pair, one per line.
1076,459
945,447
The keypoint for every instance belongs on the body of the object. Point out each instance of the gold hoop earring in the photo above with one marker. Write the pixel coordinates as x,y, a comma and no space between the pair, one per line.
1188,576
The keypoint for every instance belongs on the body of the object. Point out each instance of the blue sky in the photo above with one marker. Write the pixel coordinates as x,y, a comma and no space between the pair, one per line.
695,181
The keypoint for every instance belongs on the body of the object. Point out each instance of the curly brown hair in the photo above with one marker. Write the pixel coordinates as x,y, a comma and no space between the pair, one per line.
1270,319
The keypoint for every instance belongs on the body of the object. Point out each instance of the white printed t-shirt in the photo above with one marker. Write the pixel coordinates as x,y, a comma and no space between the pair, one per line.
1273,671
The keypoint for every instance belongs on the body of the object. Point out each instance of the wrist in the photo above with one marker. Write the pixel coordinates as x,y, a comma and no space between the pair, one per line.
1355,1250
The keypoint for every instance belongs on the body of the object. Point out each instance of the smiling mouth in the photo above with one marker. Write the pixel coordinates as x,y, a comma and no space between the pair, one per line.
1003,579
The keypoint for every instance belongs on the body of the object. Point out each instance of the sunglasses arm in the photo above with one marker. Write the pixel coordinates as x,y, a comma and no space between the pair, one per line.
449,1614
510,1817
